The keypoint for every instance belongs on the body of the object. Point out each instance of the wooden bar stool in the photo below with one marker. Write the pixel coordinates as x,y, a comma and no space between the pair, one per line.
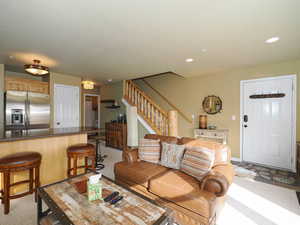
19,162
86,151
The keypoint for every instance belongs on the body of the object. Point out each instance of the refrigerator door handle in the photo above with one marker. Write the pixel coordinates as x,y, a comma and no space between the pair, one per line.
28,112
25,114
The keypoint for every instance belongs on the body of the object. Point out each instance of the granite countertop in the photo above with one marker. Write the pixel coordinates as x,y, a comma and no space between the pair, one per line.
6,136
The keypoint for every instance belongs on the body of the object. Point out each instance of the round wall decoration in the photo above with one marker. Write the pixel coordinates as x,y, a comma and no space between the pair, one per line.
212,104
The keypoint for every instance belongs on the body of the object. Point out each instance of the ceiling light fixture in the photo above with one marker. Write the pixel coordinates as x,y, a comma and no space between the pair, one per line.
189,60
88,84
109,80
203,50
272,40
36,69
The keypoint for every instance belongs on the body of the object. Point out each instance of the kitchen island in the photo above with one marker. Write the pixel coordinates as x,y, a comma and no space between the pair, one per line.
50,143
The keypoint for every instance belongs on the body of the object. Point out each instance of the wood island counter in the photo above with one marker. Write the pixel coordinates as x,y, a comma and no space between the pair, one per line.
50,143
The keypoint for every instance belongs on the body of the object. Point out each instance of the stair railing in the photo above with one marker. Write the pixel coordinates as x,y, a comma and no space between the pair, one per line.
151,112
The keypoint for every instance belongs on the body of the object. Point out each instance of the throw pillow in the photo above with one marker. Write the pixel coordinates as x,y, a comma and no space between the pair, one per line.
171,155
149,150
197,161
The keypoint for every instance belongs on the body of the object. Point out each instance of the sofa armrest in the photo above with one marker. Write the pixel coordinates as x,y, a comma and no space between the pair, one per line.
218,180
130,155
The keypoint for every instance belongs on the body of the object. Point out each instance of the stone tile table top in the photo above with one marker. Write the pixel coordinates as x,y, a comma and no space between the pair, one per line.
70,207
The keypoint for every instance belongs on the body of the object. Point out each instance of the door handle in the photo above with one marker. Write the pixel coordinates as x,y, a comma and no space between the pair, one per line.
246,118
245,125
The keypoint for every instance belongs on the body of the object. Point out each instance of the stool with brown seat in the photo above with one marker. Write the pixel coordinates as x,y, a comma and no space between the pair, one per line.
86,151
19,162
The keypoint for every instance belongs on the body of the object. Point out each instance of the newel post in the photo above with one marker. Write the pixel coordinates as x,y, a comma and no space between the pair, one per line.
173,123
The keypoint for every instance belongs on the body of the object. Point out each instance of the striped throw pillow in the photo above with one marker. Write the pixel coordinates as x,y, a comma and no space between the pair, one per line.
149,150
171,155
197,161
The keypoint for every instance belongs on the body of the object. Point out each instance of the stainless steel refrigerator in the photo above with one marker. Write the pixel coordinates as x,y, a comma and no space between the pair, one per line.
26,110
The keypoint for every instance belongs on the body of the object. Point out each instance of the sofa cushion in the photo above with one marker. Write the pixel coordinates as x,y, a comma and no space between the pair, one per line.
162,138
149,150
197,161
171,155
222,152
183,190
138,172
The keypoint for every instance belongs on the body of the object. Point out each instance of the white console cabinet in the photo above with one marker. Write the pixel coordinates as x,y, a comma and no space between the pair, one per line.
219,135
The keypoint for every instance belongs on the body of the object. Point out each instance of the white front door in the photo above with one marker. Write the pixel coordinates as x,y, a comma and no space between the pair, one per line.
268,122
66,106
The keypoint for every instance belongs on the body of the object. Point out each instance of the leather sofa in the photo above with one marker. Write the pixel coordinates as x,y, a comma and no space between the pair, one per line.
192,202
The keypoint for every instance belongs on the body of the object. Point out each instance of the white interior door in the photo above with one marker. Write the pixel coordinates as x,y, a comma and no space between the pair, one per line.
66,106
268,124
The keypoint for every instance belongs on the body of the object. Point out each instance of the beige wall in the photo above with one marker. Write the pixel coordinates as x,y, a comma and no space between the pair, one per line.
115,91
111,91
1,96
58,78
189,93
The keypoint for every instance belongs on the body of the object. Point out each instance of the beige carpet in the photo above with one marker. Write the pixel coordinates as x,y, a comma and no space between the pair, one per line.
252,202
249,202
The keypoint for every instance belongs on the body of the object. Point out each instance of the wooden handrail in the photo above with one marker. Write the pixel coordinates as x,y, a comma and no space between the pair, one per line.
152,113
167,100
146,97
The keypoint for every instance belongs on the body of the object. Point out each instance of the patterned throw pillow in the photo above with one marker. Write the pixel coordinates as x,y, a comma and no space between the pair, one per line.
149,150
197,161
171,155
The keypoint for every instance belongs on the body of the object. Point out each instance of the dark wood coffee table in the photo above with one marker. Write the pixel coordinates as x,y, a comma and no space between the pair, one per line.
69,207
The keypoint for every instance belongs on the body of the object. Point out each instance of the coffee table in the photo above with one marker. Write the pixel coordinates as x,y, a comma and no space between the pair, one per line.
68,206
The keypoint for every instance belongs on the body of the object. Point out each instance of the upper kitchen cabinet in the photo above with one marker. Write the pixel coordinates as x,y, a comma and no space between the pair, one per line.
21,84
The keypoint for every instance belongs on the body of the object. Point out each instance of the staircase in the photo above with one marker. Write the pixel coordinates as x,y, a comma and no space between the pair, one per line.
153,114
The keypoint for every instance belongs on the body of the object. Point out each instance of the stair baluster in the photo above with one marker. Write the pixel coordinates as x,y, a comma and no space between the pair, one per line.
156,117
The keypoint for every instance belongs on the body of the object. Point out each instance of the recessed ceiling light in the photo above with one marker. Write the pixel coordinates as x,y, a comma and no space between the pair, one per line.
11,56
203,50
272,40
189,60
109,80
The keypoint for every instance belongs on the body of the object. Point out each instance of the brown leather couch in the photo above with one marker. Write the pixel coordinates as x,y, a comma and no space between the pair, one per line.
192,201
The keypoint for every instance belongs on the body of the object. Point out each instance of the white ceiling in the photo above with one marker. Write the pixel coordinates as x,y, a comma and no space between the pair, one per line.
131,38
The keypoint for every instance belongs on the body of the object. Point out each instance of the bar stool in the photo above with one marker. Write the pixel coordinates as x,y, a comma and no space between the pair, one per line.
74,152
19,162
99,157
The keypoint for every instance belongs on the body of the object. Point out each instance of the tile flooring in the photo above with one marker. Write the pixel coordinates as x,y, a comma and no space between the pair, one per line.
272,176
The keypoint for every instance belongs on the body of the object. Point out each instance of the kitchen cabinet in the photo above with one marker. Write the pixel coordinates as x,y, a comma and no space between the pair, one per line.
21,84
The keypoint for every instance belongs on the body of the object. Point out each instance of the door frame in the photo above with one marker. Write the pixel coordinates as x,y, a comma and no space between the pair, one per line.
79,107
83,105
293,77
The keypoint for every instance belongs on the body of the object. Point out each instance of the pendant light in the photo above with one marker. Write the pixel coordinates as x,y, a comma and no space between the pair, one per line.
88,84
36,69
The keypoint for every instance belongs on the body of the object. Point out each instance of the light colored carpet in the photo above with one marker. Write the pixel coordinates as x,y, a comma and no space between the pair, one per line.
113,156
249,202
252,202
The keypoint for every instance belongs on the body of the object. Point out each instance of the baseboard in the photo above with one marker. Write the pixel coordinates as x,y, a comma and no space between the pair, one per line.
235,159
